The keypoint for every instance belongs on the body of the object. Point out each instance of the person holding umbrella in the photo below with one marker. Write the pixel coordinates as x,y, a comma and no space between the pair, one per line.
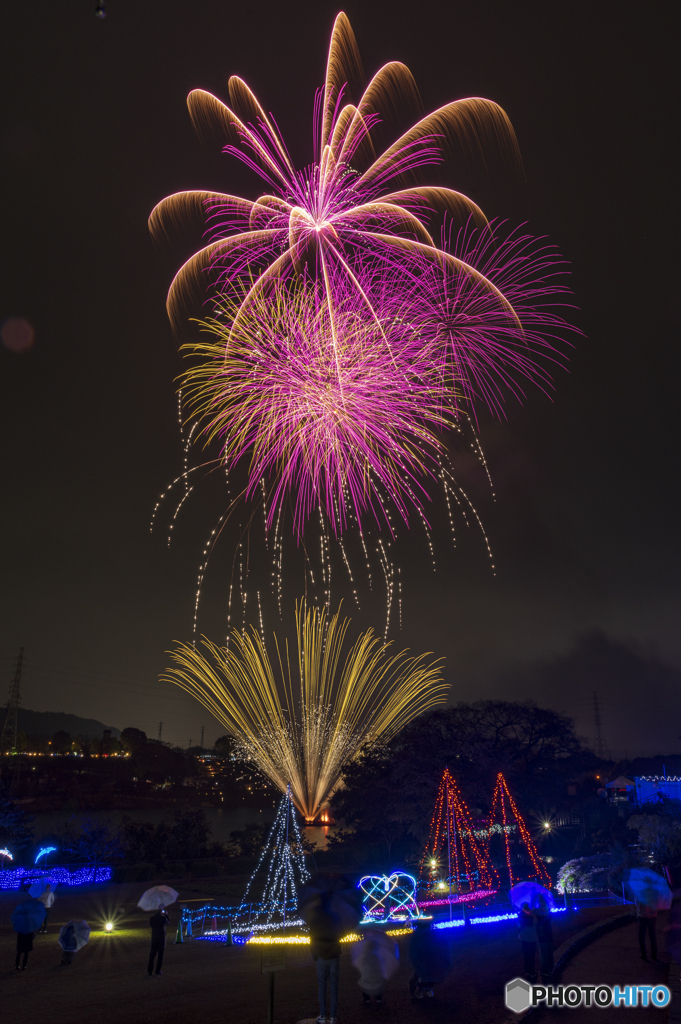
329,904
651,894
157,923
534,903
157,898
26,920
72,937
24,947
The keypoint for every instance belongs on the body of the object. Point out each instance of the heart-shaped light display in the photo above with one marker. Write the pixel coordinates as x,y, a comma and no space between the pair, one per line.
389,897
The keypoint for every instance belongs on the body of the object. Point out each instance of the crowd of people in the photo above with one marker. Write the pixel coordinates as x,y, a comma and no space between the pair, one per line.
30,919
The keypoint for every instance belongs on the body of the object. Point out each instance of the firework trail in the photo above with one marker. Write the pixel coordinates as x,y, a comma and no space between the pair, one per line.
304,726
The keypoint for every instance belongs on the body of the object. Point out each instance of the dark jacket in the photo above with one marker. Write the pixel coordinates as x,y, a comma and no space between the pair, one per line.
325,948
24,942
542,923
158,924
429,955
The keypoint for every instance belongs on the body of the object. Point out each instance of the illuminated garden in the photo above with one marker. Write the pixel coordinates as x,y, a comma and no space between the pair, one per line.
350,572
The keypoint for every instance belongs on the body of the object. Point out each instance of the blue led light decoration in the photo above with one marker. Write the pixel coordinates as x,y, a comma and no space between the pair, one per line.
389,898
286,871
44,852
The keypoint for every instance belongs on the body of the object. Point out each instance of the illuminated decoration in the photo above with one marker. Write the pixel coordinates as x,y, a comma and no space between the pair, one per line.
286,870
460,922
462,897
44,852
388,898
6,855
504,808
454,865
62,876
108,927
304,732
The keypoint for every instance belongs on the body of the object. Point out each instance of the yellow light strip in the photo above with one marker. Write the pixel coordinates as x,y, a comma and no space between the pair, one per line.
304,940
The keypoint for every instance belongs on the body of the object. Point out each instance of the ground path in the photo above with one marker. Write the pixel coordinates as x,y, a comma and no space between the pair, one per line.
614,959
210,983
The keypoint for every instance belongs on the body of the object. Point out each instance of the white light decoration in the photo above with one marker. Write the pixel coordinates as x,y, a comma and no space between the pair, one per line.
286,871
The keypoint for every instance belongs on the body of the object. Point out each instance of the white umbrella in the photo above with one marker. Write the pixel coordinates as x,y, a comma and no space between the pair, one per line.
74,935
157,897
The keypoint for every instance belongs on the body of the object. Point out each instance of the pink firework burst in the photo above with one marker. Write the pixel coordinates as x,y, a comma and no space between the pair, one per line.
353,204
342,411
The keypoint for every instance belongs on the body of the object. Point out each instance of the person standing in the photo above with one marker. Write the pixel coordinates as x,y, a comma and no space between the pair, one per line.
158,923
527,933
544,929
647,918
47,900
326,951
376,959
24,947
431,959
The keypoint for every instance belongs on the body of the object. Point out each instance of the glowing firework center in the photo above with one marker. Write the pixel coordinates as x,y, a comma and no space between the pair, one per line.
387,899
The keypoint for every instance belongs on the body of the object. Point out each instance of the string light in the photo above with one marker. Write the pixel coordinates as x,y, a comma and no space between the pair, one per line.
15,878
452,837
286,868
388,897
501,795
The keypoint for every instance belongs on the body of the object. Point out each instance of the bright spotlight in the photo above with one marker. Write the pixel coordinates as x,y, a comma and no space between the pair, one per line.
108,927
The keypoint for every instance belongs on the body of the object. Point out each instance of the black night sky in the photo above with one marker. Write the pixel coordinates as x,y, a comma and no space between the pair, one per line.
585,530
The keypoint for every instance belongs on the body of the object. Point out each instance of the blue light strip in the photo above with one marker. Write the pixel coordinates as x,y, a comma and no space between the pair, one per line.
509,917
83,876
460,922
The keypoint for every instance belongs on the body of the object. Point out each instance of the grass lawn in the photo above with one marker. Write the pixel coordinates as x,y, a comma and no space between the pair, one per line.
210,983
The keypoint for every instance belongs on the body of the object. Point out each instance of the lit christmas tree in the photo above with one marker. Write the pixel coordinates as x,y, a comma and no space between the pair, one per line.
286,871
505,818
455,864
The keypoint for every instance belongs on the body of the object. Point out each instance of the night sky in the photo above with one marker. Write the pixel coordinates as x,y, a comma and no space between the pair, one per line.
585,529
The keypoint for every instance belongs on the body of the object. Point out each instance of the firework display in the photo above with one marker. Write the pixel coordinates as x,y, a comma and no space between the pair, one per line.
303,731
345,204
347,342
